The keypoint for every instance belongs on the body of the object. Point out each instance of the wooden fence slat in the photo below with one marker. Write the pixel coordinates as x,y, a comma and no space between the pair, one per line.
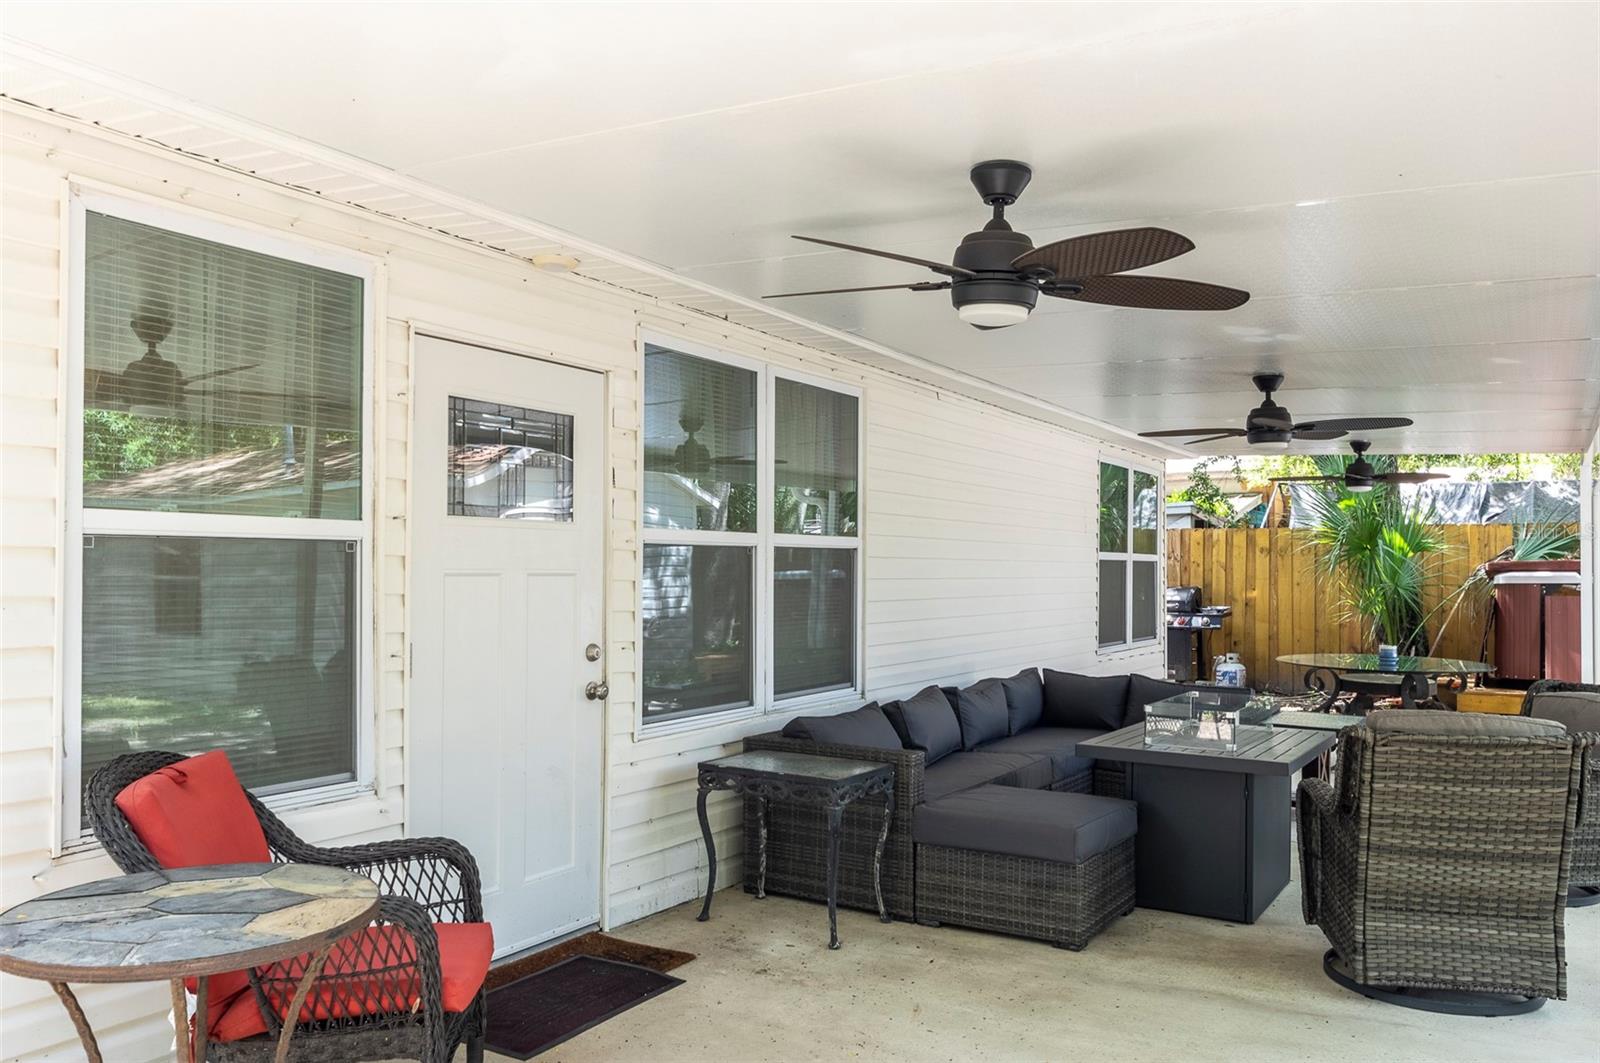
1284,602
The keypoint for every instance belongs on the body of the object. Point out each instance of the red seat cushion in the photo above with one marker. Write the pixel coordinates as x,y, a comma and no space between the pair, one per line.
195,812
349,985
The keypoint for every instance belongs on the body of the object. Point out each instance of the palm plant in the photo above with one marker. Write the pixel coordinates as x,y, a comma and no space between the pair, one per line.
1379,550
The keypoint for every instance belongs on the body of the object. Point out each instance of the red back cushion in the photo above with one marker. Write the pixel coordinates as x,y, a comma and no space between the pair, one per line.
195,812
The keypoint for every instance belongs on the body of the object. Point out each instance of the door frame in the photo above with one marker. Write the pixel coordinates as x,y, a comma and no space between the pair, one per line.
415,327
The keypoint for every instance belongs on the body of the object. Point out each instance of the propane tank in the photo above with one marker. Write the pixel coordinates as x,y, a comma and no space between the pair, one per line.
1227,670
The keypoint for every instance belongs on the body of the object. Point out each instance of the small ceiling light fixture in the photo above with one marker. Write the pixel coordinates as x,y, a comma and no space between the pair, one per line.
993,315
554,263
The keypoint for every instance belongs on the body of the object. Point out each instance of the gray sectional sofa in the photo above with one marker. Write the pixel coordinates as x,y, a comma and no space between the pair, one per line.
1021,732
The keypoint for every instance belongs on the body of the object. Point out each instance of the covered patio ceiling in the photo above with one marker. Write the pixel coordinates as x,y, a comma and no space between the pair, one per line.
1411,193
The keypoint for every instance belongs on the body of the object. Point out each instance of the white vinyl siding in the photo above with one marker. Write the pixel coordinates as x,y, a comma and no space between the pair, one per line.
977,538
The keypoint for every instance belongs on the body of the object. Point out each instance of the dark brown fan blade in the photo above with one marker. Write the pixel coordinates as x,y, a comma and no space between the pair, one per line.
919,286
1098,254
1173,433
1151,293
1320,433
1409,477
216,373
1213,439
937,267
1351,424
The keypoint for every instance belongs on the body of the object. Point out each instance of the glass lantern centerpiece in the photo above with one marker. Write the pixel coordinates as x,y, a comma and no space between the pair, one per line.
1202,719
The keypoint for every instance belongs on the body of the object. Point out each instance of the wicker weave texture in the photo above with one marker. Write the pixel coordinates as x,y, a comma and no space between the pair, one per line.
1586,843
422,881
1064,904
1442,862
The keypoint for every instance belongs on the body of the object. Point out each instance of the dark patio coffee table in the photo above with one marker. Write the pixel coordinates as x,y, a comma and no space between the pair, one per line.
1213,825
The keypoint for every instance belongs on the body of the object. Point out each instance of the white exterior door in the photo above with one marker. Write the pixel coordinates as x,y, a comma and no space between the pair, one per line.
507,597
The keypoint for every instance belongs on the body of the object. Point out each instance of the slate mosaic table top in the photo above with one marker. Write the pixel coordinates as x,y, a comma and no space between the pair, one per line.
186,921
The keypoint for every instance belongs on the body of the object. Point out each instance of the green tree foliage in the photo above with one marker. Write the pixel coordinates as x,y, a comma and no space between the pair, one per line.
1206,497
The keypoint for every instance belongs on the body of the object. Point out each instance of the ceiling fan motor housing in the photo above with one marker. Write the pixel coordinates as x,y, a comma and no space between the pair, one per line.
989,253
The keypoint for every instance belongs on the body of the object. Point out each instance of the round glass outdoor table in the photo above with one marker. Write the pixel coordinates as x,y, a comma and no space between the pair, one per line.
190,922
1333,674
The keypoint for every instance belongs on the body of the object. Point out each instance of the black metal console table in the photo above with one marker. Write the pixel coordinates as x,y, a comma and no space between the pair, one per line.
828,782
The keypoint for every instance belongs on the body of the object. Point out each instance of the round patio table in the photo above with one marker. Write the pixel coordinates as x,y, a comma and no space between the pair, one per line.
1333,674
191,922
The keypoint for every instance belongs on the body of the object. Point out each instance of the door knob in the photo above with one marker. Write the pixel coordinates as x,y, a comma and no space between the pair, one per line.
591,652
596,691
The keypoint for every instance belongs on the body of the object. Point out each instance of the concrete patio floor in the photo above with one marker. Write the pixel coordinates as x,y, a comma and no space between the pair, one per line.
1155,986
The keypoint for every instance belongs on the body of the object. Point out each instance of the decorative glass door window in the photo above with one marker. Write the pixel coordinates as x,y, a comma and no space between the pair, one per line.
1129,545
509,462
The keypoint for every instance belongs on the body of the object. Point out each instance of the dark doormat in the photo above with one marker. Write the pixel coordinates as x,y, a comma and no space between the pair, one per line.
558,1000
594,943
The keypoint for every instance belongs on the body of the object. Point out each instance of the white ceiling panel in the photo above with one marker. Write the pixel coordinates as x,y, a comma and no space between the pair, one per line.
1410,191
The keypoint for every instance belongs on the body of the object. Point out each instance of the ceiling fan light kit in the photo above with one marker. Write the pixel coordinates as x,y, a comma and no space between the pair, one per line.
996,275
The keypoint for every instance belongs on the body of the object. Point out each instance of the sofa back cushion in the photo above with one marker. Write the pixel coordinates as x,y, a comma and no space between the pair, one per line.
866,726
1072,700
1143,690
1467,724
1579,710
1024,700
926,721
981,711
195,812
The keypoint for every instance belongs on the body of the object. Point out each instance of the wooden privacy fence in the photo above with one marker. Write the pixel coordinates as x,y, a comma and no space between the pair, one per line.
1284,601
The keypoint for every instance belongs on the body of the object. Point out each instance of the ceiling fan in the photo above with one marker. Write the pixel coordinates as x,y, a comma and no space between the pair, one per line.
150,381
996,274
1359,476
1270,425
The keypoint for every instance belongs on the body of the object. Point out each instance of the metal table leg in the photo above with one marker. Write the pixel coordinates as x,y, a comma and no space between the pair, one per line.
835,815
292,1016
877,856
1329,687
183,1050
91,1048
1410,687
711,854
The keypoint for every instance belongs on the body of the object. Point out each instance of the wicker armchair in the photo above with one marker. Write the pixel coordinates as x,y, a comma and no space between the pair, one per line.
1577,705
423,881
1437,868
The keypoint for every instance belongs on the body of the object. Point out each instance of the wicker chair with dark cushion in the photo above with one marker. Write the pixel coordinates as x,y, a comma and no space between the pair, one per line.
410,986
1438,866
1577,705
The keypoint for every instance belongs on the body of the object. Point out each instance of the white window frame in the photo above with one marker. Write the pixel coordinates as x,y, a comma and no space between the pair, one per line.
765,541
1128,557
81,522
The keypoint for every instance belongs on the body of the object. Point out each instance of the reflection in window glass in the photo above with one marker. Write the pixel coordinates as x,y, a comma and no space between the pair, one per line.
217,380
699,443
1113,508
813,620
248,645
509,462
696,605
1113,602
1147,509
1144,600
815,454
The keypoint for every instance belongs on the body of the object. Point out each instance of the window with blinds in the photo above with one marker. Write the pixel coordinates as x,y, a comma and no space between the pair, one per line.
222,518
1129,527
750,537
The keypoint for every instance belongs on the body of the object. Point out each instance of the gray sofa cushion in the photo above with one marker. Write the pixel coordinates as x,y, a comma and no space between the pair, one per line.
1579,710
1143,690
1040,824
1475,724
1024,700
866,726
962,771
981,712
926,721
1072,700
1056,743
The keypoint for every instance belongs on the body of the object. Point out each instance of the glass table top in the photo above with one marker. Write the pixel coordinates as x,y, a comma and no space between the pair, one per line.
1368,662
801,765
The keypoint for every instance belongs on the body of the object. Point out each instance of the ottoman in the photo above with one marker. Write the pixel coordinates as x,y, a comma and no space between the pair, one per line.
1041,864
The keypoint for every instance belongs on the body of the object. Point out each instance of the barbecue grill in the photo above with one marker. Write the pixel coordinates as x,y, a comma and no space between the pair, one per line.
1187,623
